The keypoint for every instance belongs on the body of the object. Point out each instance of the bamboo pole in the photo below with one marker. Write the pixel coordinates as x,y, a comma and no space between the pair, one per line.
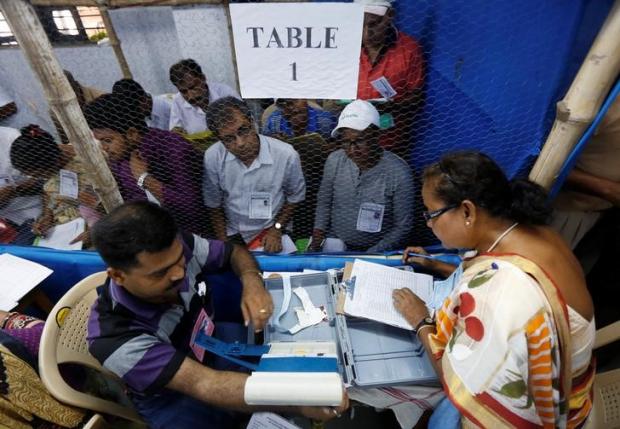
112,4
582,101
232,44
115,42
32,39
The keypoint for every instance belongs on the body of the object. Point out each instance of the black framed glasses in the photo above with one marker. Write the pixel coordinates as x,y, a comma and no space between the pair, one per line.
436,213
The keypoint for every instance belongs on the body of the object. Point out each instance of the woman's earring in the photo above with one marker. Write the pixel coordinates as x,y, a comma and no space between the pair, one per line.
467,223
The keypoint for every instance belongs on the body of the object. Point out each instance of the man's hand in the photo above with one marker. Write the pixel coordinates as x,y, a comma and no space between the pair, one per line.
256,303
325,413
318,237
410,306
43,223
272,241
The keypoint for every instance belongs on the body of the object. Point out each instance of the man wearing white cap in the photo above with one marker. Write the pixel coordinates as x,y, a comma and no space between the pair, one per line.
365,202
391,68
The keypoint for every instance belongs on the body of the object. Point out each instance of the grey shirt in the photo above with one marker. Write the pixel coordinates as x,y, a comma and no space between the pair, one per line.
344,190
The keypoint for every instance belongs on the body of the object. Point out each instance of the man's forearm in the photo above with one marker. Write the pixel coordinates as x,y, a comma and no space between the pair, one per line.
242,261
224,389
594,185
218,220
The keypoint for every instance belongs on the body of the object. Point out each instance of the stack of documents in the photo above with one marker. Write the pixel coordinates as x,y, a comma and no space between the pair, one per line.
369,292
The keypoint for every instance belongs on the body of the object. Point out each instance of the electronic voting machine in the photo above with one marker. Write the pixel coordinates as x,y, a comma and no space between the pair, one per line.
312,348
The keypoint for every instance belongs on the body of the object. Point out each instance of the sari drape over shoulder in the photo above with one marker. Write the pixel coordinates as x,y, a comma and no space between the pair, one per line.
504,340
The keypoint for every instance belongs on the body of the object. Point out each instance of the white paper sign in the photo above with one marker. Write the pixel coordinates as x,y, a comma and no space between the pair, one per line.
69,185
298,50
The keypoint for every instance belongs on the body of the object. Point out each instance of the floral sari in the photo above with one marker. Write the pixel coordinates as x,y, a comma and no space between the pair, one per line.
503,337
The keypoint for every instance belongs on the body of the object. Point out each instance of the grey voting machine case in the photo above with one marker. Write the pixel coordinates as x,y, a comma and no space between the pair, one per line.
371,354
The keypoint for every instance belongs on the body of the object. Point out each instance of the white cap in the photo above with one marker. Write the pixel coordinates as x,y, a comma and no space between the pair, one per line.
376,7
358,115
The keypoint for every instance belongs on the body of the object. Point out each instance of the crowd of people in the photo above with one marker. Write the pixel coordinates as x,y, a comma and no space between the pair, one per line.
193,210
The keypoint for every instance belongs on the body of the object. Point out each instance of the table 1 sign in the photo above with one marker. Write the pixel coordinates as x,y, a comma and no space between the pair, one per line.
298,50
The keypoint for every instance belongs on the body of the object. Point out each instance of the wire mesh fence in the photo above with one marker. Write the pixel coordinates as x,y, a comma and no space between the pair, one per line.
286,175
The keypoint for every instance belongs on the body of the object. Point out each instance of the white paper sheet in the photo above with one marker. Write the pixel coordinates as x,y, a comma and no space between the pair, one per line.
18,276
60,236
372,293
270,421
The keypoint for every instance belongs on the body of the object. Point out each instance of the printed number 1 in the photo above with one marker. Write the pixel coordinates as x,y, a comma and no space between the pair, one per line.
294,67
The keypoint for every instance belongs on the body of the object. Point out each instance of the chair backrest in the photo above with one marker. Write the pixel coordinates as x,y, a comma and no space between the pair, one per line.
64,341
606,405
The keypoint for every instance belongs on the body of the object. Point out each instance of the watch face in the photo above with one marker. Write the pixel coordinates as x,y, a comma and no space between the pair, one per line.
278,225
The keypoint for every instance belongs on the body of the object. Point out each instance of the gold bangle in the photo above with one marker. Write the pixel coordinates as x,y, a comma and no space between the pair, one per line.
422,327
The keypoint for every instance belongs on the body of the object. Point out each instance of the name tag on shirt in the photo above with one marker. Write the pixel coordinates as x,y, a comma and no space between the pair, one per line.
6,180
370,217
383,87
204,324
260,205
69,184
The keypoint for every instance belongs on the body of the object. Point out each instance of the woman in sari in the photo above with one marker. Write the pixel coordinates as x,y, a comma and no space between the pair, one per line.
512,344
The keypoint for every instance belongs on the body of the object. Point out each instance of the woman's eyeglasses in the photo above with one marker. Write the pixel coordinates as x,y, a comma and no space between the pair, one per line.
436,213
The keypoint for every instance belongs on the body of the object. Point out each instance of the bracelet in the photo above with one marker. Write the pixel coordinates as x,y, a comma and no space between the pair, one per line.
422,327
141,180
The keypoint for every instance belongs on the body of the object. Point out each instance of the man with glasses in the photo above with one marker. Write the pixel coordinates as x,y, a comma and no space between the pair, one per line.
252,182
365,202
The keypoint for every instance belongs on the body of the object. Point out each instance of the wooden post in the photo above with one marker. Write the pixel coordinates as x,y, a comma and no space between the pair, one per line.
115,42
233,52
32,39
583,100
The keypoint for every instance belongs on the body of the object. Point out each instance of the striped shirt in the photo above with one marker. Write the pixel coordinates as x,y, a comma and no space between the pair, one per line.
144,343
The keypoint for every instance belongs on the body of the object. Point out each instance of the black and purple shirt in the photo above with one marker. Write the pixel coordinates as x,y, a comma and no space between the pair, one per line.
146,343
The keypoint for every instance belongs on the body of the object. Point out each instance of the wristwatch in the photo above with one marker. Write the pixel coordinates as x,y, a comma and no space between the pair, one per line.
141,180
428,320
278,226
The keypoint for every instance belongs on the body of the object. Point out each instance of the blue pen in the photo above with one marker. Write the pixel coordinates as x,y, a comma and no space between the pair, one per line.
419,255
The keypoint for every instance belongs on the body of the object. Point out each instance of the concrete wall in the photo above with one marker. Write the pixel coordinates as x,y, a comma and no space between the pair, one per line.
152,38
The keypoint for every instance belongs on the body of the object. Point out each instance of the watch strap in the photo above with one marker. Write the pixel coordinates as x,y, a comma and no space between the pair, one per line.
141,180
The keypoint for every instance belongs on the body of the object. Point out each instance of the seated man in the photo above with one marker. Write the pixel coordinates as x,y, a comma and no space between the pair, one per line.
391,68
251,182
156,109
155,297
593,186
296,117
84,95
68,192
190,103
20,195
149,163
366,197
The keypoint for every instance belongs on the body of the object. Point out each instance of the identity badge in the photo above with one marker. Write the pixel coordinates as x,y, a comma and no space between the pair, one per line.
383,87
204,324
260,205
370,217
69,184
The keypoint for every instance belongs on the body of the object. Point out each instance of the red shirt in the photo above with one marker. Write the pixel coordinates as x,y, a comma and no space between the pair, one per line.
402,65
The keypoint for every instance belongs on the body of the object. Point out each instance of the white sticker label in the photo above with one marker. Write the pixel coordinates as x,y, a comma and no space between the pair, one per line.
69,184
260,205
370,217
6,180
